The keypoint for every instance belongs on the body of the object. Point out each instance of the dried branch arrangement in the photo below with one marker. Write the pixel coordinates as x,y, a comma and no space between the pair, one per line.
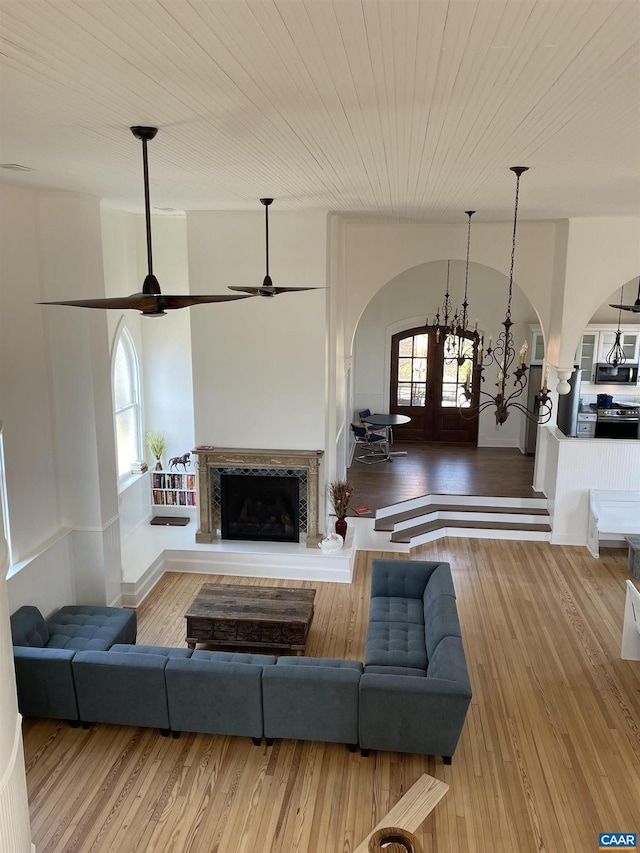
340,494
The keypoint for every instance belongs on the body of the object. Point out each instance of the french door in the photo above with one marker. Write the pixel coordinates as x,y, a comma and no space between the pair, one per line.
429,376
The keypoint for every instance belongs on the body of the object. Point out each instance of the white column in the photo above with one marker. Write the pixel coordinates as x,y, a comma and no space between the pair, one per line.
15,832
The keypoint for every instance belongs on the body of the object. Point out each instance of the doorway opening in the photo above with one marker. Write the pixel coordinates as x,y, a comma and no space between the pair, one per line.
430,373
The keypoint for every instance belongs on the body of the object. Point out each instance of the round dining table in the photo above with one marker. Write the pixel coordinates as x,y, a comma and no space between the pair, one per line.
387,421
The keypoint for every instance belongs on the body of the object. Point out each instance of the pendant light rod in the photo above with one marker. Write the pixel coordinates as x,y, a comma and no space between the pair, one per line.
146,134
465,304
518,170
266,201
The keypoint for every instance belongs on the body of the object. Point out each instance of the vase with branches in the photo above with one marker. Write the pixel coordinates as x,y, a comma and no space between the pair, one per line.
340,494
157,444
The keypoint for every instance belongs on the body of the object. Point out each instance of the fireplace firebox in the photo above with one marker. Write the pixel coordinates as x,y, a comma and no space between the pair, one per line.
260,508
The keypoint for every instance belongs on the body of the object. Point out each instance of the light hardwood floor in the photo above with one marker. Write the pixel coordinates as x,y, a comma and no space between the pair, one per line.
549,756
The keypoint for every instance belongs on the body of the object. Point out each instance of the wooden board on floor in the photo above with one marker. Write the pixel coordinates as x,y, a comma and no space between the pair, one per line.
412,809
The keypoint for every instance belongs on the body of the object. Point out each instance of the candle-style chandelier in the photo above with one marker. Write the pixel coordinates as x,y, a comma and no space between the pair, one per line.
615,357
454,322
502,357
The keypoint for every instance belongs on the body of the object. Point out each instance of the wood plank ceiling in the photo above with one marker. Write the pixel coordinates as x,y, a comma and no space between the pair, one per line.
404,109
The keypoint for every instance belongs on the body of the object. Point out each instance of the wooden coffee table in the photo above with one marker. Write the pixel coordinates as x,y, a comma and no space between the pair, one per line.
259,616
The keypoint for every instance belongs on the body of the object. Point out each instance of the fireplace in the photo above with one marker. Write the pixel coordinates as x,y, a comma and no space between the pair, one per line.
259,507
216,465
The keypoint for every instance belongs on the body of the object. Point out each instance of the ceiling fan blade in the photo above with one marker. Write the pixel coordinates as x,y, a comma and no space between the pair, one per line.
135,301
177,301
148,304
270,290
635,307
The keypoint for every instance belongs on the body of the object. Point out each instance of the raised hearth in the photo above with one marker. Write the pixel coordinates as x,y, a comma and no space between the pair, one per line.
214,465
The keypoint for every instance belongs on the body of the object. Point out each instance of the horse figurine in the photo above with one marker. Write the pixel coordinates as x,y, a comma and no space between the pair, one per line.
180,460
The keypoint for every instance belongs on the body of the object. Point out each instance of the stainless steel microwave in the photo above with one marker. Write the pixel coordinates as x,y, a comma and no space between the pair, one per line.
624,374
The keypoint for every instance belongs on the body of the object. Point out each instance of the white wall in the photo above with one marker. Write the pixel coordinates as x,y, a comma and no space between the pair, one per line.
602,254
56,396
412,295
166,344
259,363
25,391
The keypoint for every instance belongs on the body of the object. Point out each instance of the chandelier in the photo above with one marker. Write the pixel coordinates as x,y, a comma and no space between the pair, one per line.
511,381
454,321
615,357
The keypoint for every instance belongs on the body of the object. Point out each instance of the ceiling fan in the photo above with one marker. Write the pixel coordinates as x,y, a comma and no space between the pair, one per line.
267,288
635,307
151,302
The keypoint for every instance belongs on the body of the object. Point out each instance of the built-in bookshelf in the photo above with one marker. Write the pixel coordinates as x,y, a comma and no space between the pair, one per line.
169,489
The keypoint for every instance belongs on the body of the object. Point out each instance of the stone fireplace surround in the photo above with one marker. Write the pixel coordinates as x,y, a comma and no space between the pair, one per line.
213,461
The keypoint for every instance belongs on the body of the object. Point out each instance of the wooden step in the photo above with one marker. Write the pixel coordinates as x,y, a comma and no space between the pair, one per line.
389,522
409,535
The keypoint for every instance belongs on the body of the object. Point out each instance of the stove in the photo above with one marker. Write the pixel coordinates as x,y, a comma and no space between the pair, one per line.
619,412
622,420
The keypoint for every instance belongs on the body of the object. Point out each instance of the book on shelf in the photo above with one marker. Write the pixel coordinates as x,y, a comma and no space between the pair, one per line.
361,510
139,466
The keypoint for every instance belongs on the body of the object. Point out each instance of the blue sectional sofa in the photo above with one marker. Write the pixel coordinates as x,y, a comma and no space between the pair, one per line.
411,695
415,689
43,652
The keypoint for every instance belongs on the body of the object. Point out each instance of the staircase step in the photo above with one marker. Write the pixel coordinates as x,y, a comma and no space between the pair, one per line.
410,535
389,522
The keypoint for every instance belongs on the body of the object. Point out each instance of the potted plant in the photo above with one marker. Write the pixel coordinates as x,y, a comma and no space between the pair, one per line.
340,494
157,444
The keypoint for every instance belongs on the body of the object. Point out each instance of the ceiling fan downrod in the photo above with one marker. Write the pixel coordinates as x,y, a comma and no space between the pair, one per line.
146,134
267,279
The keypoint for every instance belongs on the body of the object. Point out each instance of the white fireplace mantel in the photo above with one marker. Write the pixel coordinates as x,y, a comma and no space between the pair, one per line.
210,458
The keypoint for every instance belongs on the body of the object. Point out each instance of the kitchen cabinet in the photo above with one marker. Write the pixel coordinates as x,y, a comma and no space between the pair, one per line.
536,345
628,340
588,355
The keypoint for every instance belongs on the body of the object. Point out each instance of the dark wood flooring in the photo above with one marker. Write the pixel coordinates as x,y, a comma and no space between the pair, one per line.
442,469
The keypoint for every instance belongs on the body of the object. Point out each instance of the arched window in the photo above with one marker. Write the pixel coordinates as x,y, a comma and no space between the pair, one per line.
126,403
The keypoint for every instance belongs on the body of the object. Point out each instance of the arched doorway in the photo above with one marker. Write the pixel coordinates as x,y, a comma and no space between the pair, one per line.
430,377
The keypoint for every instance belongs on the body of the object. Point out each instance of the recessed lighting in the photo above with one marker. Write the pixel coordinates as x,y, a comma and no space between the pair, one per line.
16,167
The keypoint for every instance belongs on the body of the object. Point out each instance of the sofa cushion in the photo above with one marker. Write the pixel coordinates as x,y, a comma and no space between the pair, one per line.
109,624
28,627
335,663
395,609
234,657
401,578
395,670
123,689
441,620
448,661
396,644
207,694
165,651
312,699
440,583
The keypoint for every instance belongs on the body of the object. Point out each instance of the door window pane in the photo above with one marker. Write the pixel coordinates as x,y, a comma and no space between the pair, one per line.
420,344
404,394
404,369
411,387
419,373
456,377
405,347
418,394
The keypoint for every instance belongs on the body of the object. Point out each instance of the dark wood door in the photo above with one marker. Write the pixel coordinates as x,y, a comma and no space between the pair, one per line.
429,374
